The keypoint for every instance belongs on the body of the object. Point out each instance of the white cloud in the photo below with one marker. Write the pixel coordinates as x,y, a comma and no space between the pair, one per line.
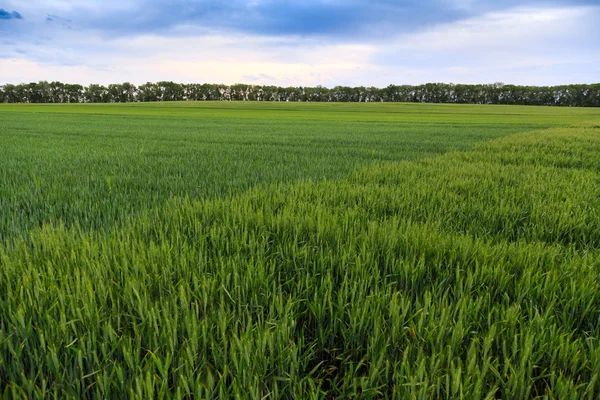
521,45
516,29
209,58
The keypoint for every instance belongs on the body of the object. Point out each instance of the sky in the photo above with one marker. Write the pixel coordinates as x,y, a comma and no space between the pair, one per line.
301,42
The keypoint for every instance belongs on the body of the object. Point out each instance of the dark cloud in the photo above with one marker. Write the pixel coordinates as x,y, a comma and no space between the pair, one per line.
277,17
348,19
9,15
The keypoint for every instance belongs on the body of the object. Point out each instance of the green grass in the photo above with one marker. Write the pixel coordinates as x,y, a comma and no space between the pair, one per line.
473,273
97,169
344,112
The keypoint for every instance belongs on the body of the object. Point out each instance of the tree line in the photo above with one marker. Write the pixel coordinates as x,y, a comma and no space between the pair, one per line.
587,95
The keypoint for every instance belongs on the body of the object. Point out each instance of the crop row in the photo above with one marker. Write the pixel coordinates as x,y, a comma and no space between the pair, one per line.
472,274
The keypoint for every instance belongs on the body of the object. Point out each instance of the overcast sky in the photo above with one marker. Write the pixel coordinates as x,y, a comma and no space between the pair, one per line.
307,42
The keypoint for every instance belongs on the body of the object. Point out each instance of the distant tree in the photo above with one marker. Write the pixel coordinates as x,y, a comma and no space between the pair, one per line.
22,93
253,93
496,93
73,93
240,91
148,92
96,94
169,91
9,93
40,92
193,92
114,92
129,93
57,90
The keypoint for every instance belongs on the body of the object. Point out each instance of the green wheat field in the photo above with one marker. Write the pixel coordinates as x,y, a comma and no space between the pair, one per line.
314,251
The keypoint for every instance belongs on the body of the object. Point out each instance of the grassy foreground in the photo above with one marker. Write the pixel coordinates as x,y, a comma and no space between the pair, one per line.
471,274
96,165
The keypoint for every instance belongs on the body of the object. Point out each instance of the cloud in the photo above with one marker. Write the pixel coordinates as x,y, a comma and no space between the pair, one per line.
206,58
335,19
259,78
314,42
348,18
526,45
55,19
358,19
9,15
522,32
